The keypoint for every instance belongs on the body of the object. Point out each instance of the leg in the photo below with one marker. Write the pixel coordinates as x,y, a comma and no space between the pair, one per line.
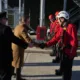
57,59
60,70
67,68
18,72
6,73
13,73
53,51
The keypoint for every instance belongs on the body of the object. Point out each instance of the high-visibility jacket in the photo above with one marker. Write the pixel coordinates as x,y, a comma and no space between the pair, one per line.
70,38
53,28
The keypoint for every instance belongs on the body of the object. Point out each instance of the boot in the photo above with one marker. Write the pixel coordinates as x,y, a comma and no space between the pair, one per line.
18,74
52,54
58,72
57,60
22,79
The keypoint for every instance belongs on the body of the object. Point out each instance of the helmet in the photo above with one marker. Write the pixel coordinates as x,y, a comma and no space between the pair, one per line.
51,16
56,13
63,14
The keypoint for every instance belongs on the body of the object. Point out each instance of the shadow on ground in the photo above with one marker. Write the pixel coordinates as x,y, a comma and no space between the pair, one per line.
75,63
44,77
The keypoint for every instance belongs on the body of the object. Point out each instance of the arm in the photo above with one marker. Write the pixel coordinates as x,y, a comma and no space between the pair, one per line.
55,39
24,35
8,33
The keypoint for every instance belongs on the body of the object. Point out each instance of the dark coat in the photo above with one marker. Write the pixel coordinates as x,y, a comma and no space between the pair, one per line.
6,39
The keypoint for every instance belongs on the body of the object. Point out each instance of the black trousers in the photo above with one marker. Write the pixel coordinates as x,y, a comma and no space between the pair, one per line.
66,67
18,73
54,49
6,73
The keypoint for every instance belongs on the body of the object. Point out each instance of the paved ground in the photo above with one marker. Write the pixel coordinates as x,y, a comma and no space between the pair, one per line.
38,66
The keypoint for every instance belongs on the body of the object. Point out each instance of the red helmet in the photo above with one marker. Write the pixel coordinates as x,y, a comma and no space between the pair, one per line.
51,16
56,13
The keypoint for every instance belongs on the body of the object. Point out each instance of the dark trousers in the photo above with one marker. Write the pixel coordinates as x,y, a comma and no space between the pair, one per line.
66,67
54,49
18,73
6,73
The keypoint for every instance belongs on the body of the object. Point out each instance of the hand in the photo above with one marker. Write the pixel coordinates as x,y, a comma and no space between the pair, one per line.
42,45
31,45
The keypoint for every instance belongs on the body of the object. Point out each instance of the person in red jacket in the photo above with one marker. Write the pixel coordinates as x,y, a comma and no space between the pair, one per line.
53,29
52,20
67,37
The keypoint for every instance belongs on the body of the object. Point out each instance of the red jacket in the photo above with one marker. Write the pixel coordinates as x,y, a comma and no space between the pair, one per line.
53,26
70,37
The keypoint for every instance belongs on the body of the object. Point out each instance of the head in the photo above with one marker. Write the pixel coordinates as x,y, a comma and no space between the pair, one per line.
56,13
25,20
63,17
51,18
3,18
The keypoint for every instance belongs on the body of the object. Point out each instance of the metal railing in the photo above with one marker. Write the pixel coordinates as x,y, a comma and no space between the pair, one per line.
74,13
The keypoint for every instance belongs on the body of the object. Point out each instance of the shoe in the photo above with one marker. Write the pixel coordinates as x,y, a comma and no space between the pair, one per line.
14,75
58,72
52,54
22,79
56,60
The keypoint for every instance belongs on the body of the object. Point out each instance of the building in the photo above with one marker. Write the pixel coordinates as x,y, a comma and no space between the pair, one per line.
32,7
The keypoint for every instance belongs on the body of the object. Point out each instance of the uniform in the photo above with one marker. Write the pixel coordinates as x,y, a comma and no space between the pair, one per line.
67,37
69,45
55,27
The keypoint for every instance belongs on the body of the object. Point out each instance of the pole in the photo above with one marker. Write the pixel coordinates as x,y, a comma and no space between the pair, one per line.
19,9
65,5
42,12
0,5
23,8
5,5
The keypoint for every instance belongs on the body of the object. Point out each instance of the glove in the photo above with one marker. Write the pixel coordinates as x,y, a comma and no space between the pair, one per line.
25,45
42,45
31,45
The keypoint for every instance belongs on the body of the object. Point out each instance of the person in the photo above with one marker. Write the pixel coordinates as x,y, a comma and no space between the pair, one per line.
57,56
67,35
20,31
6,38
53,31
52,20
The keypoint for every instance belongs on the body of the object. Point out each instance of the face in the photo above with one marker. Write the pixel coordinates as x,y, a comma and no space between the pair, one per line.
4,21
56,17
27,21
51,20
60,20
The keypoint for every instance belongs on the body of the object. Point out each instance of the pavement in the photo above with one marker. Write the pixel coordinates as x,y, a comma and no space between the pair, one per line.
38,65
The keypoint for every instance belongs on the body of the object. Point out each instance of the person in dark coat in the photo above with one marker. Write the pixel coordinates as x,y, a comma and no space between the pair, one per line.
6,39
